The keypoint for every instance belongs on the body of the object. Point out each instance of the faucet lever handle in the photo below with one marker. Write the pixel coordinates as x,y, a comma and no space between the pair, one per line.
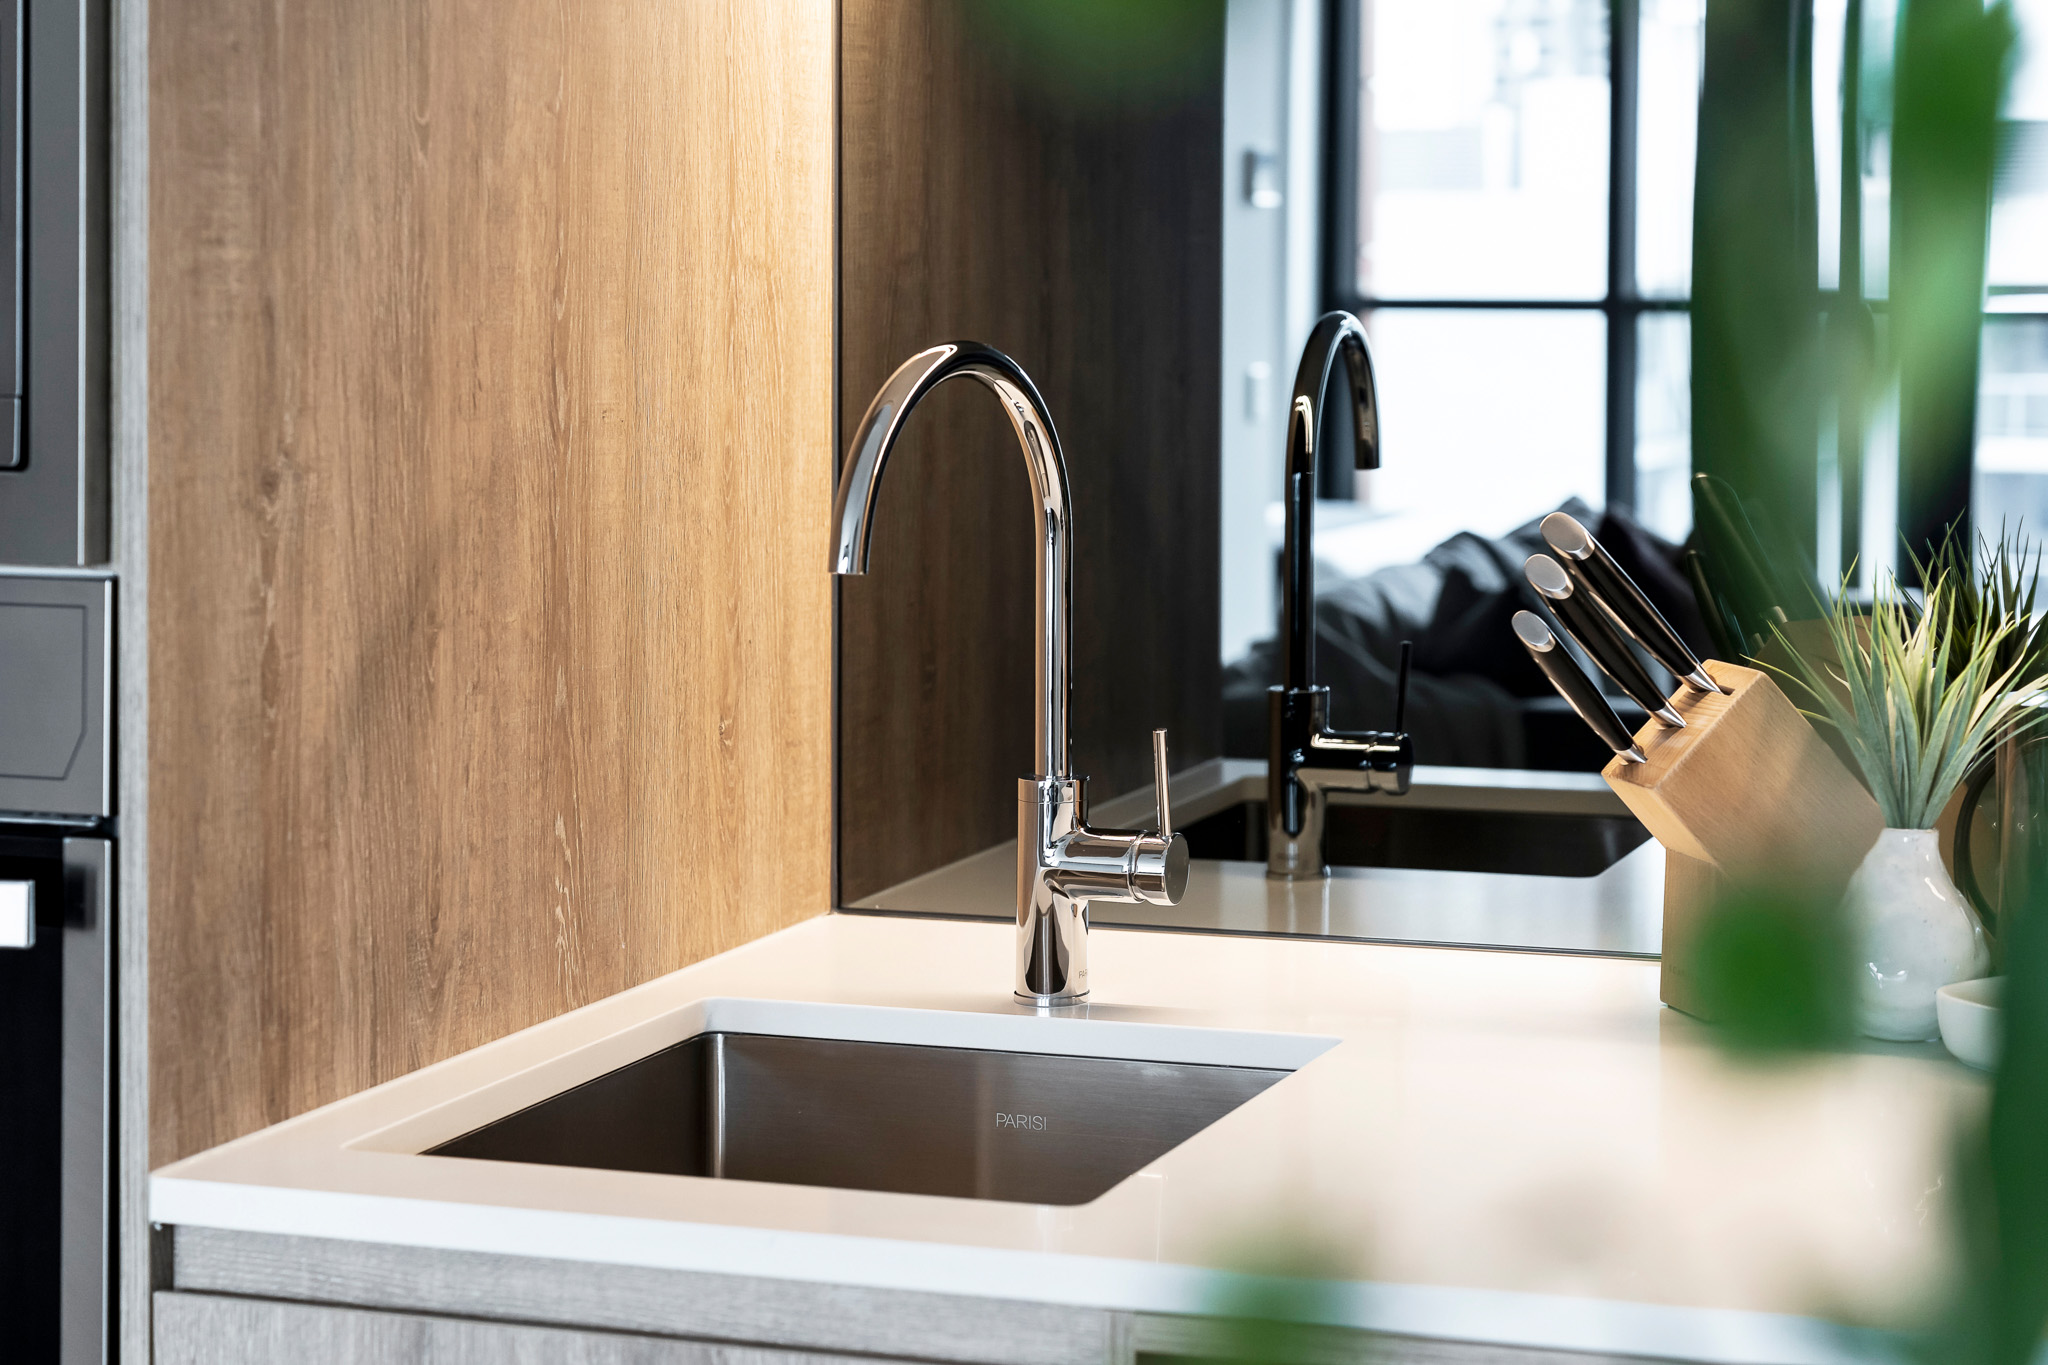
1158,862
1401,687
1159,798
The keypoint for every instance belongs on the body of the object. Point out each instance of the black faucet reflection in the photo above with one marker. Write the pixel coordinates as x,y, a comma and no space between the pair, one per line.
1305,758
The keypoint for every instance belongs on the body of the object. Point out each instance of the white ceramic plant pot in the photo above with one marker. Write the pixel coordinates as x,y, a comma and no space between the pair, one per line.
1915,934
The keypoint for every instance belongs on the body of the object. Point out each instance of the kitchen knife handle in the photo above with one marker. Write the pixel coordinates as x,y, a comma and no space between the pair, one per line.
1573,685
1588,625
1599,577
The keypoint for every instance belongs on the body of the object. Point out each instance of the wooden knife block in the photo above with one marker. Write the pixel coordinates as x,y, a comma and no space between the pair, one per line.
1746,792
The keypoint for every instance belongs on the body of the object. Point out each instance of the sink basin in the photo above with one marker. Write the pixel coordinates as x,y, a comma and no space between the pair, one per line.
987,1122
1388,833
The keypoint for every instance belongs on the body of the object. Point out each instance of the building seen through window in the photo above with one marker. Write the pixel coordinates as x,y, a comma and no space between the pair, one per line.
2011,486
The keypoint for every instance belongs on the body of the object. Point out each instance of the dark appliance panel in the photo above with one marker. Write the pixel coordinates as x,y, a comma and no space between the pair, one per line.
53,283
56,676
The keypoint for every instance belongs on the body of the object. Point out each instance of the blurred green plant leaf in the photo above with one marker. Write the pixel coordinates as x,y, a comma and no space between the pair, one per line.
1275,1309
2001,1310
1088,54
1774,970
1953,60
1757,372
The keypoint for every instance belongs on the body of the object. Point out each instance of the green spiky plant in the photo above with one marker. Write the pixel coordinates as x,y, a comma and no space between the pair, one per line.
1921,697
1999,589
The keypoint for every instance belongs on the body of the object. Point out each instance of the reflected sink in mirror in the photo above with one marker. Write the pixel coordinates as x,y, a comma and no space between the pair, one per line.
995,1121
1471,857
1387,833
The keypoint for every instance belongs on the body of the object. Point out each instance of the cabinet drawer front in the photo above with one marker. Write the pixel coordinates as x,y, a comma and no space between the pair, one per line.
201,1329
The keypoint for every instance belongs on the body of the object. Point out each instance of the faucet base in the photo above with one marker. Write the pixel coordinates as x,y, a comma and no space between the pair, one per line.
1050,1002
1301,874
1062,865
1308,760
1052,923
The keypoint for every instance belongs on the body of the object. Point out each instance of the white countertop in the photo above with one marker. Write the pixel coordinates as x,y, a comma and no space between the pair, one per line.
1511,1147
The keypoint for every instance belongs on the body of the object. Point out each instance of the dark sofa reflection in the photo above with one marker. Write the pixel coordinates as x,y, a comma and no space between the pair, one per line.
1475,699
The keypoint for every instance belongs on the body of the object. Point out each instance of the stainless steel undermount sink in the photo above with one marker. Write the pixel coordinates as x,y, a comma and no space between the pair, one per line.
860,1114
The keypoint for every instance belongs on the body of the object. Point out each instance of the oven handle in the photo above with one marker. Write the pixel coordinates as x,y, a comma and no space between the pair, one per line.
17,914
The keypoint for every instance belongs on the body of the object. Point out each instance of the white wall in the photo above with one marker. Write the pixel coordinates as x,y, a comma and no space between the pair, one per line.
1272,104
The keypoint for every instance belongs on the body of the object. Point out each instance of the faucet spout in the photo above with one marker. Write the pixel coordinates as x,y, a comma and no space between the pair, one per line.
1062,864
1306,760
1336,333
853,511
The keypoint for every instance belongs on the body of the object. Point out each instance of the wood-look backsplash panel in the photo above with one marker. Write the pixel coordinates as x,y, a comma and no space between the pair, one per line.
1081,232
490,471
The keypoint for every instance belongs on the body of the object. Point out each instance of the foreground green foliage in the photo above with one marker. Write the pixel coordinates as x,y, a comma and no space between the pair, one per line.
1093,58
1773,970
1953,61
1272,1311
2002,1181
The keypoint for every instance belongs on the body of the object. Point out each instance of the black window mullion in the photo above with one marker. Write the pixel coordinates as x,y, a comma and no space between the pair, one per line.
1343,36
1850,323
1622,16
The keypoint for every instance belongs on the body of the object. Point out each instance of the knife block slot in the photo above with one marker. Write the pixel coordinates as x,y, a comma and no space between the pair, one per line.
1747,792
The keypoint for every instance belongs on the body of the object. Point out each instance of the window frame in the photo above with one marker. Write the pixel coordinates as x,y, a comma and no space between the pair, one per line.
1622,304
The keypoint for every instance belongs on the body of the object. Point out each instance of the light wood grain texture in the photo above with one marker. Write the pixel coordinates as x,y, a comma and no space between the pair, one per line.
1083,236
787,1313
1691,888
490,463
194,1329
1748,787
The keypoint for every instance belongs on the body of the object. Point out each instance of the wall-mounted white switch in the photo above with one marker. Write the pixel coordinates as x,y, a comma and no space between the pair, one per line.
1258,388
17,914
1262,179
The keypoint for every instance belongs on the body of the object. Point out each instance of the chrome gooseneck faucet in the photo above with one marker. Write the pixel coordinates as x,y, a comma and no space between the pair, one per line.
1061,863
1305,758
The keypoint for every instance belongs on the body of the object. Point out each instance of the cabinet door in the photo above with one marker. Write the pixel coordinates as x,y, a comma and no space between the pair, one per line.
201,1329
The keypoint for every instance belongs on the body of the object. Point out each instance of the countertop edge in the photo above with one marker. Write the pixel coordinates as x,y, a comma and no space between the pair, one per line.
1502,1317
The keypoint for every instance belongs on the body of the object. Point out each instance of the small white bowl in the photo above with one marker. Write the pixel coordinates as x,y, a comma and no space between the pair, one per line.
1968,1012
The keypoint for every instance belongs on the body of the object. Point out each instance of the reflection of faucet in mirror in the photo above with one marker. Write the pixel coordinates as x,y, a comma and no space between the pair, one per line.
1305,758
1061,863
